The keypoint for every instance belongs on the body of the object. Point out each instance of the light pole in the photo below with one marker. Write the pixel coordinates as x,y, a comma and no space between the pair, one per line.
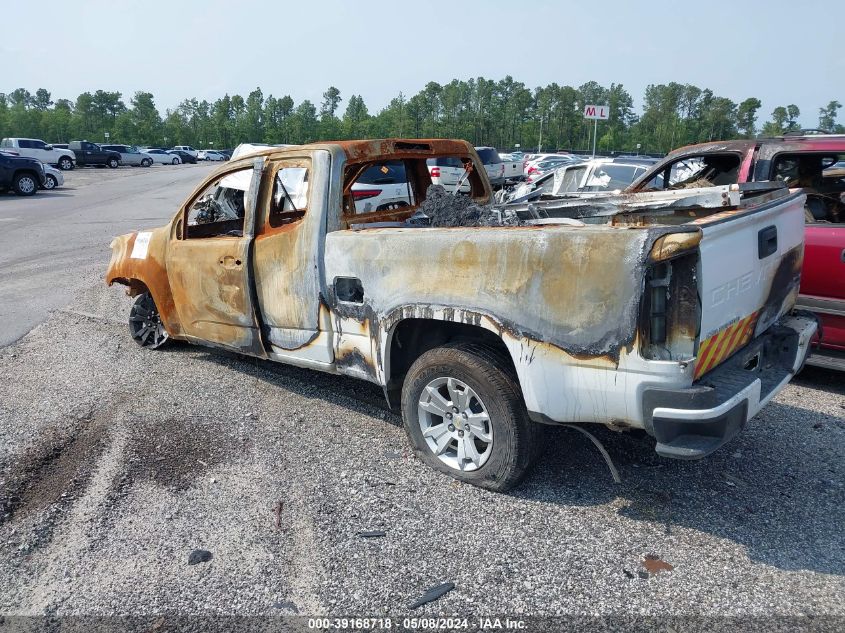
540,141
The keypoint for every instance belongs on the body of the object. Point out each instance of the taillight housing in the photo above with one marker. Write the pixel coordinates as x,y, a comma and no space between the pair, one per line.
435,172
363,194
671,309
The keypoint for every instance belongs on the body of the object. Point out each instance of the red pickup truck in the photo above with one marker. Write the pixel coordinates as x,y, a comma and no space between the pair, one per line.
812,163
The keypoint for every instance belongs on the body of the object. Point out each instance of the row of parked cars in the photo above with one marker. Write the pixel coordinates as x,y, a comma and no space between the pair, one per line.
27,164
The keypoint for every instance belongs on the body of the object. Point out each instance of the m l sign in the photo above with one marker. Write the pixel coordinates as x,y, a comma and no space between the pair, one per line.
598,112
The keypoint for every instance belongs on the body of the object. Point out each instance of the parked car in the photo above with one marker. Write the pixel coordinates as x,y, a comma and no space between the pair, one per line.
587,178
382,186
539,168
214,155
185,157
88,153
478,334
36,148
805,163
23,175
130,155
164,157
186,148
449,171
493,165
53,177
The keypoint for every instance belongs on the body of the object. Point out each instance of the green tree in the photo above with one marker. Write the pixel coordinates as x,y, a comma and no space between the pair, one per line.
828,114
146,119
304,123
331,101
746,116
356,118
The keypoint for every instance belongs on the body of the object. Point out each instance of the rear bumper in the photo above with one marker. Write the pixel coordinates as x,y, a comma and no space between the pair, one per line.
692,423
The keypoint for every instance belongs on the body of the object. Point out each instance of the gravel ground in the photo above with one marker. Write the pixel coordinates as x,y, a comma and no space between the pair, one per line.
118,462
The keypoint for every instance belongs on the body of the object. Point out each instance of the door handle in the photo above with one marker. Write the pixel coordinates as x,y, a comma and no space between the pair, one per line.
230,262
842,256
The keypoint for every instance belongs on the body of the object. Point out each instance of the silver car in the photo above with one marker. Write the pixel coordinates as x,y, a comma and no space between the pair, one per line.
131,155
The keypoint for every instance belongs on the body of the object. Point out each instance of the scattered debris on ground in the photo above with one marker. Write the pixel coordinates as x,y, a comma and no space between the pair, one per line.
654,565
199,556
372,534
438,591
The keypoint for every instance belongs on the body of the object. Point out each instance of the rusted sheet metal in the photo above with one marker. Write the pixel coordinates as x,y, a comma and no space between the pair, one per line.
670,245
149,272
743,148
287,263
577,289
395,149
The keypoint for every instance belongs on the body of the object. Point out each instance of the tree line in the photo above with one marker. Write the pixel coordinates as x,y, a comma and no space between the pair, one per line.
502,113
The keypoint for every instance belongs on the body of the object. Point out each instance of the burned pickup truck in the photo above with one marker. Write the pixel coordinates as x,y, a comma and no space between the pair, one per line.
676,319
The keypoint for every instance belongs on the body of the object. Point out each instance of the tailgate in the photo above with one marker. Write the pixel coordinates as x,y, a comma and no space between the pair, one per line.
750,271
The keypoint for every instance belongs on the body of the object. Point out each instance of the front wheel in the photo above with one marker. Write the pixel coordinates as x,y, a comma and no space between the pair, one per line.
51,182
175,161
65,164
25,184
464,416
145,324
146,162
113,163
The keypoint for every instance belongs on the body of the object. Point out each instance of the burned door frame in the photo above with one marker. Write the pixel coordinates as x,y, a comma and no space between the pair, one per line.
210,277
288,268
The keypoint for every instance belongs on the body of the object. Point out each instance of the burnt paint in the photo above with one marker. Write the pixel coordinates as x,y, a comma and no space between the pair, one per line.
785,283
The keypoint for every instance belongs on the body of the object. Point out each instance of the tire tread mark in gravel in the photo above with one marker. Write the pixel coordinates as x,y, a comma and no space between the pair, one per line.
50,472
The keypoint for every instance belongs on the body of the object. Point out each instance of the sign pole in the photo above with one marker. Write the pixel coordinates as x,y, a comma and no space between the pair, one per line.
596,112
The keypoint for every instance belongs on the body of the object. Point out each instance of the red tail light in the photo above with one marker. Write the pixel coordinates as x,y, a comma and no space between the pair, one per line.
363,194
435,172
532,169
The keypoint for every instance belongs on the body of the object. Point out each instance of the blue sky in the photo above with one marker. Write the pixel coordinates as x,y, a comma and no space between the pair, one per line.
781,52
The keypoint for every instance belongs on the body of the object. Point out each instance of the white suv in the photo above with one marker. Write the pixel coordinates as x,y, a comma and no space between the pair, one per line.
36,148
449,171
188,149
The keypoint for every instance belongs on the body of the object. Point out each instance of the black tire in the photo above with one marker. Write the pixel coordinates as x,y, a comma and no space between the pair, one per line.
113,163
145,324
488,374
65,163
25,183
146,162
175,161
51,183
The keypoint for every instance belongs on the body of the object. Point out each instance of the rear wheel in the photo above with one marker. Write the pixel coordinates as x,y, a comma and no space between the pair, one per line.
51,182
25,184
146,162
65,163
464,415
175,161
145,324
113,163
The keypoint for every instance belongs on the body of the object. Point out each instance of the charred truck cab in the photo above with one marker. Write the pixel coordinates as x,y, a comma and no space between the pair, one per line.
670,313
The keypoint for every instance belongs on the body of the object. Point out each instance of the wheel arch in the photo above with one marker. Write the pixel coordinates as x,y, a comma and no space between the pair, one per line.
412,334
134,286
